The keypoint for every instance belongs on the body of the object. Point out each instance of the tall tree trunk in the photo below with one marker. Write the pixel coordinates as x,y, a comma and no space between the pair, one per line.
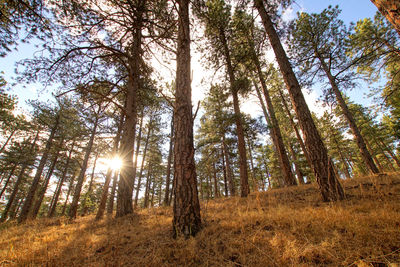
346,170
11,173
224,173
147,188
8,140
170,154
15,207
146,144
32,190
295,129
126,183
43,190
244,180
329,185
374,156
186,210
110,207
20,178
216,189
253,173
391,10
81,178
274,126
90,188
385,147
103,200
349,117
299,173
229,172
71,183
139,140
61,182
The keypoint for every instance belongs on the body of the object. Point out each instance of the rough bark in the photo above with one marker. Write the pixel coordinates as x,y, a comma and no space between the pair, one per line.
186,209
32,190
329,185
366,156
81,178
391,10
126,183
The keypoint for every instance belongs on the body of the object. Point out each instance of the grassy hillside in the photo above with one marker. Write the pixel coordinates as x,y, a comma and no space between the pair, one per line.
283,227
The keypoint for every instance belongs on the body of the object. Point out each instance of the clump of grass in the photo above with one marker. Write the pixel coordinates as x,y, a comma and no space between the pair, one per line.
282,227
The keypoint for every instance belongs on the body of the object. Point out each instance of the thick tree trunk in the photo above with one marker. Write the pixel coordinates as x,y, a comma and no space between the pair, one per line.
146,144
126,183
61,182
170,154
349,117
329,185
244,180
43,190
275,129
32,190
186,210
81,178
391,10
229,172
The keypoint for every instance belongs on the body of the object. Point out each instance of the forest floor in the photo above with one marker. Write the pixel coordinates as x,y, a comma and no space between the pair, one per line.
282,227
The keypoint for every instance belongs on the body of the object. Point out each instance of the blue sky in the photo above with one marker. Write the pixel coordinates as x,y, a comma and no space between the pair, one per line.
352,10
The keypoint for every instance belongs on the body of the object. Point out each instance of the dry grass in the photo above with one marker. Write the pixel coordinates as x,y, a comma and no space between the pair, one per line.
284,227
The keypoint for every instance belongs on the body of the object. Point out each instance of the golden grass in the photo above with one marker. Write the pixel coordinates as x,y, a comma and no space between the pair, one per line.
283,227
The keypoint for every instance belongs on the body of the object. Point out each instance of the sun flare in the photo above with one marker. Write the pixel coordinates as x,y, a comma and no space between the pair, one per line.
115,163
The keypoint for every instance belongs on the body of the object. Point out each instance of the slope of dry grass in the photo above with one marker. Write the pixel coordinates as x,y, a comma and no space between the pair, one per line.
283,227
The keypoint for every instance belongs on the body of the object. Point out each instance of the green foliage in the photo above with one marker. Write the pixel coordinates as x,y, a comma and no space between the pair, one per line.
375,48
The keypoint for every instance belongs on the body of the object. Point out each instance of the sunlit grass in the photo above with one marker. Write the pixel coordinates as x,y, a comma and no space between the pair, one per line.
283,227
